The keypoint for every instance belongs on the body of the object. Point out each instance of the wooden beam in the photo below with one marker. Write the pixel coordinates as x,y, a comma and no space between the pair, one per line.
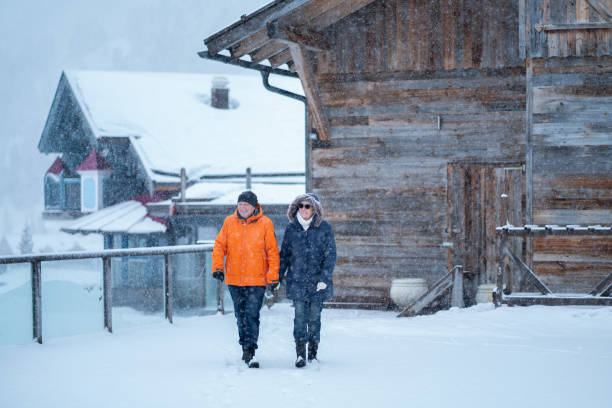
440,288
602,287
580,300
289,35
270,49
249,25
573,26
601,9
303,66
249,44
528,272
281,58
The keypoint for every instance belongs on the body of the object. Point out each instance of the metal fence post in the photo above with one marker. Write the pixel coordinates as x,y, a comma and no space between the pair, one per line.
107,293
220,297
168,293
36,302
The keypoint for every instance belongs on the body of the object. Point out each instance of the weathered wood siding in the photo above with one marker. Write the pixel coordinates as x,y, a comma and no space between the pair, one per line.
425,35
409,88
569,42
383,174
572,166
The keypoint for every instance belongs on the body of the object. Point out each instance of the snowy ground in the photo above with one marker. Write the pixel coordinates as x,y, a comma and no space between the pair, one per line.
476,357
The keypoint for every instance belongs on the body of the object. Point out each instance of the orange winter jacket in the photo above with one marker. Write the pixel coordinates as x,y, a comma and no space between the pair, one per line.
250,249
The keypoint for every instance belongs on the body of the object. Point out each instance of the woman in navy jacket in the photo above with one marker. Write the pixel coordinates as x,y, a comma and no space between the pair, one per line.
307,260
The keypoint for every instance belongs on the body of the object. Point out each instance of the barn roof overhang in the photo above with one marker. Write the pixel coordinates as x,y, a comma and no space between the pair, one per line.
284,33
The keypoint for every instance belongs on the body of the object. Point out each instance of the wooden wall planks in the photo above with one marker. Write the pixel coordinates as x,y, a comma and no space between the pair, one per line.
571,42
572,167
397,68
416,35
383,174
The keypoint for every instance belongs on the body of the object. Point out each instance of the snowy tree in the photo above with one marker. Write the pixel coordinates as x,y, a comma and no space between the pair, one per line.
5,249
25,244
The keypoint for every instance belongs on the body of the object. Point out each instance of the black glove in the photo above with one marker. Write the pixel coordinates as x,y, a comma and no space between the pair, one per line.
219,275
273,286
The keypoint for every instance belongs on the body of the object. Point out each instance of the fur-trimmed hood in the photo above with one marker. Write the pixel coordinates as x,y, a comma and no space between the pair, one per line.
313,200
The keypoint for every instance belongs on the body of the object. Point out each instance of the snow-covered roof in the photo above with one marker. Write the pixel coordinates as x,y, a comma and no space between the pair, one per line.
217,193
170,122
129,217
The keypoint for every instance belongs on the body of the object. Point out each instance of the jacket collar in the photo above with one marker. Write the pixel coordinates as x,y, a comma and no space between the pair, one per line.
313,224
253,218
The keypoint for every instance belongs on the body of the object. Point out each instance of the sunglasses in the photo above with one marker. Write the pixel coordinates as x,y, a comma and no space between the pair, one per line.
306,206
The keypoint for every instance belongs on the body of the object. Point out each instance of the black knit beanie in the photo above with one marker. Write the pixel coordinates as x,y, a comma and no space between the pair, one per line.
248,197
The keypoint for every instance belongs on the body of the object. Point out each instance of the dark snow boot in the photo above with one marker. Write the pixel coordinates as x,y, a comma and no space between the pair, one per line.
300,350
248,355
313,346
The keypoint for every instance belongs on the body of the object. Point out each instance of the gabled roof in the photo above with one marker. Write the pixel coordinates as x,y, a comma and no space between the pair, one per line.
94,161
170,123
57,167
268,32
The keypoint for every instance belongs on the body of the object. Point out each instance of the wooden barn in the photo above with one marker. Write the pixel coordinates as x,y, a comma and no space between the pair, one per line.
434,121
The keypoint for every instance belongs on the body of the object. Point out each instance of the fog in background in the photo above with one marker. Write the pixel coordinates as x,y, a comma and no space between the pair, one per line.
39,39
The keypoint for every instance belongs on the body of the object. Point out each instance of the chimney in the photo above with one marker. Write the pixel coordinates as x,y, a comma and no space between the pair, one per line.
219,93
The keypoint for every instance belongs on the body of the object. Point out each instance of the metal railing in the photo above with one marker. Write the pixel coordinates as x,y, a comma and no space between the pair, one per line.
105,255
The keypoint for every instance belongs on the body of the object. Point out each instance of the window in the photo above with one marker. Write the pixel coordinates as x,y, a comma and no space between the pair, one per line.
52,192
73,193
89,193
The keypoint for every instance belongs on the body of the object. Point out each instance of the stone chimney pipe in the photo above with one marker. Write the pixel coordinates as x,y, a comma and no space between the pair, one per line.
219,93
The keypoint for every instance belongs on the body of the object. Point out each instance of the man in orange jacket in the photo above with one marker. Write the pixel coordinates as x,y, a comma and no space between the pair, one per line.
248,244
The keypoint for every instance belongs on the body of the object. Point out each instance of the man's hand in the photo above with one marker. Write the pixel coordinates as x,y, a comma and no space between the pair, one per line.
218,274
321,286
272,287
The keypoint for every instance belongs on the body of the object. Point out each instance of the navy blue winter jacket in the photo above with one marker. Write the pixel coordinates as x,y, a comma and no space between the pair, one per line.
306,258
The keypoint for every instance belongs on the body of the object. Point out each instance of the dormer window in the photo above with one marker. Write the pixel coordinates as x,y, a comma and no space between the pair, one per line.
52,192
62,188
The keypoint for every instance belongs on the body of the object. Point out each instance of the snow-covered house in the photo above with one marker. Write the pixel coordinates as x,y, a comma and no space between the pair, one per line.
123,138
136,130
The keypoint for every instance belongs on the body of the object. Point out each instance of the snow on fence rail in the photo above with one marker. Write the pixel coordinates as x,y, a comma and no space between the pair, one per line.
105,255
601,294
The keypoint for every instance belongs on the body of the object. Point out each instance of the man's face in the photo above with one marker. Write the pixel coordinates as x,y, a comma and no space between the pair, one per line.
245,209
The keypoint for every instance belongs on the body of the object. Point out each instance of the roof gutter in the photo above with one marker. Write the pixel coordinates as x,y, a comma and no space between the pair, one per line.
246,64
265,77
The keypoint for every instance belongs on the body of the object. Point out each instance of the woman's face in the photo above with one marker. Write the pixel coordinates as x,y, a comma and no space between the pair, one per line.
306,210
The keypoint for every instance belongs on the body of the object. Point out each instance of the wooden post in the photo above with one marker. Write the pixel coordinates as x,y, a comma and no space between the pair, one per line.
500,271
107,293
457,290
168,293
220,293
248,178
528,216
303,63
36,302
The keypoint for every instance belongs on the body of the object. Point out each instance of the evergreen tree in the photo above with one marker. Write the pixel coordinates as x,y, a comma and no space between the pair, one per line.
5,250
25,244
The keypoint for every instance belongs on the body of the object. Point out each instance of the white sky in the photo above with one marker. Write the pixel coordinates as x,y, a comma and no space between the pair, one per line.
39,39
